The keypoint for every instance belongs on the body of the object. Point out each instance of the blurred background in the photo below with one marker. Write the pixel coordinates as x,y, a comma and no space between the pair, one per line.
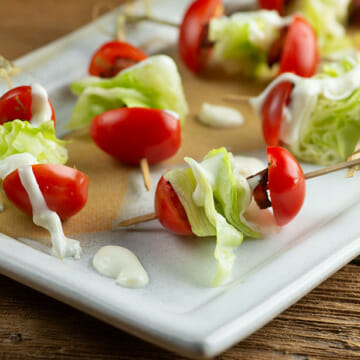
26,25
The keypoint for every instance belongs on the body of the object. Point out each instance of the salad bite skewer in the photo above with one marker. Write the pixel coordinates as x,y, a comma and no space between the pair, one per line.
315,118
28,147
310,175
247,42
214,198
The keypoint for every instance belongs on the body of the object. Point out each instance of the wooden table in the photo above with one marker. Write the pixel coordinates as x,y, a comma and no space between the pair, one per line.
323,325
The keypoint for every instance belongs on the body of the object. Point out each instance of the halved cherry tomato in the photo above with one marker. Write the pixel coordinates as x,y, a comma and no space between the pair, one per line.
277,5
272,111
169,209
286,184
300,54
131,134
16,104
113,57
193,43
65,189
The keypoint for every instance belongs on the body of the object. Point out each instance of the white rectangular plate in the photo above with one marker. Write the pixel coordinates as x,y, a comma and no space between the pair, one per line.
178,310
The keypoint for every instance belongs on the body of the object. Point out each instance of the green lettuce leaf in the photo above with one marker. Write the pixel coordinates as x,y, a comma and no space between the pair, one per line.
328,18
154,82
18,137
242,40
333,127
214,201
332,132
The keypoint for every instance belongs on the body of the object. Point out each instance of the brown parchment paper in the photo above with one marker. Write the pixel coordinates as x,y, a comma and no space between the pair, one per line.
108,177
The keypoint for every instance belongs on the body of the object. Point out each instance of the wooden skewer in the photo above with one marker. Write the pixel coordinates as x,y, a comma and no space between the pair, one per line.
136,18
333,168
236,98
7,70
144,165
355,155
138,219
309,175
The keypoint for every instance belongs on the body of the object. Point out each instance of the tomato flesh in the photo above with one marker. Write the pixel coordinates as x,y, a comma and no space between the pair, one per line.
193,33
169,210
114,56
16,104
286,184
300,53
65,189
272,111
132,134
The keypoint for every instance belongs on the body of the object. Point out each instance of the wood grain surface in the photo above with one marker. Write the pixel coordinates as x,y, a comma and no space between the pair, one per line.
324,325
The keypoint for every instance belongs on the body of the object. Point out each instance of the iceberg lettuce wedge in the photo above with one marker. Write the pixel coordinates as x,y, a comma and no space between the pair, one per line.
19,136
212,198
328,18
242,40
332,131
154,82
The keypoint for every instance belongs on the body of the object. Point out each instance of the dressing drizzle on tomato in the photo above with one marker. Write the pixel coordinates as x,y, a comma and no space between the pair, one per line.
42,216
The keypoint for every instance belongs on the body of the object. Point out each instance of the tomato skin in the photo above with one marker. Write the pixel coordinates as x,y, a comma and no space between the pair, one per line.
286,184
193,30
131,134
114,56
272,111
65,189
277,5
300,53
16,104
169,210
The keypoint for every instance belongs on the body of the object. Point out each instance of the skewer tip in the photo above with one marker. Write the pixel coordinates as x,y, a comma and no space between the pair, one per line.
144,165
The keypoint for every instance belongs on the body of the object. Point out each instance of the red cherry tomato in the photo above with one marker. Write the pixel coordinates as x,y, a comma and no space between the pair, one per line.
286,184
131,134
277,5
16,104
273,110
193,43
300,53
169,209
113,57
65,189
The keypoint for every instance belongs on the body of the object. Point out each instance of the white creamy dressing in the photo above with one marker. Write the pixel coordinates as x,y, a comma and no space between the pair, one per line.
220,116
261,37
304,97
247,165
40,107
42,216
121,264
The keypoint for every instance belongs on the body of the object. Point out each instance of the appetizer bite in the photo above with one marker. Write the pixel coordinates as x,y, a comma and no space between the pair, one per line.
327,17
135,116
33,176
227,197
248,42
316,118
152,83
